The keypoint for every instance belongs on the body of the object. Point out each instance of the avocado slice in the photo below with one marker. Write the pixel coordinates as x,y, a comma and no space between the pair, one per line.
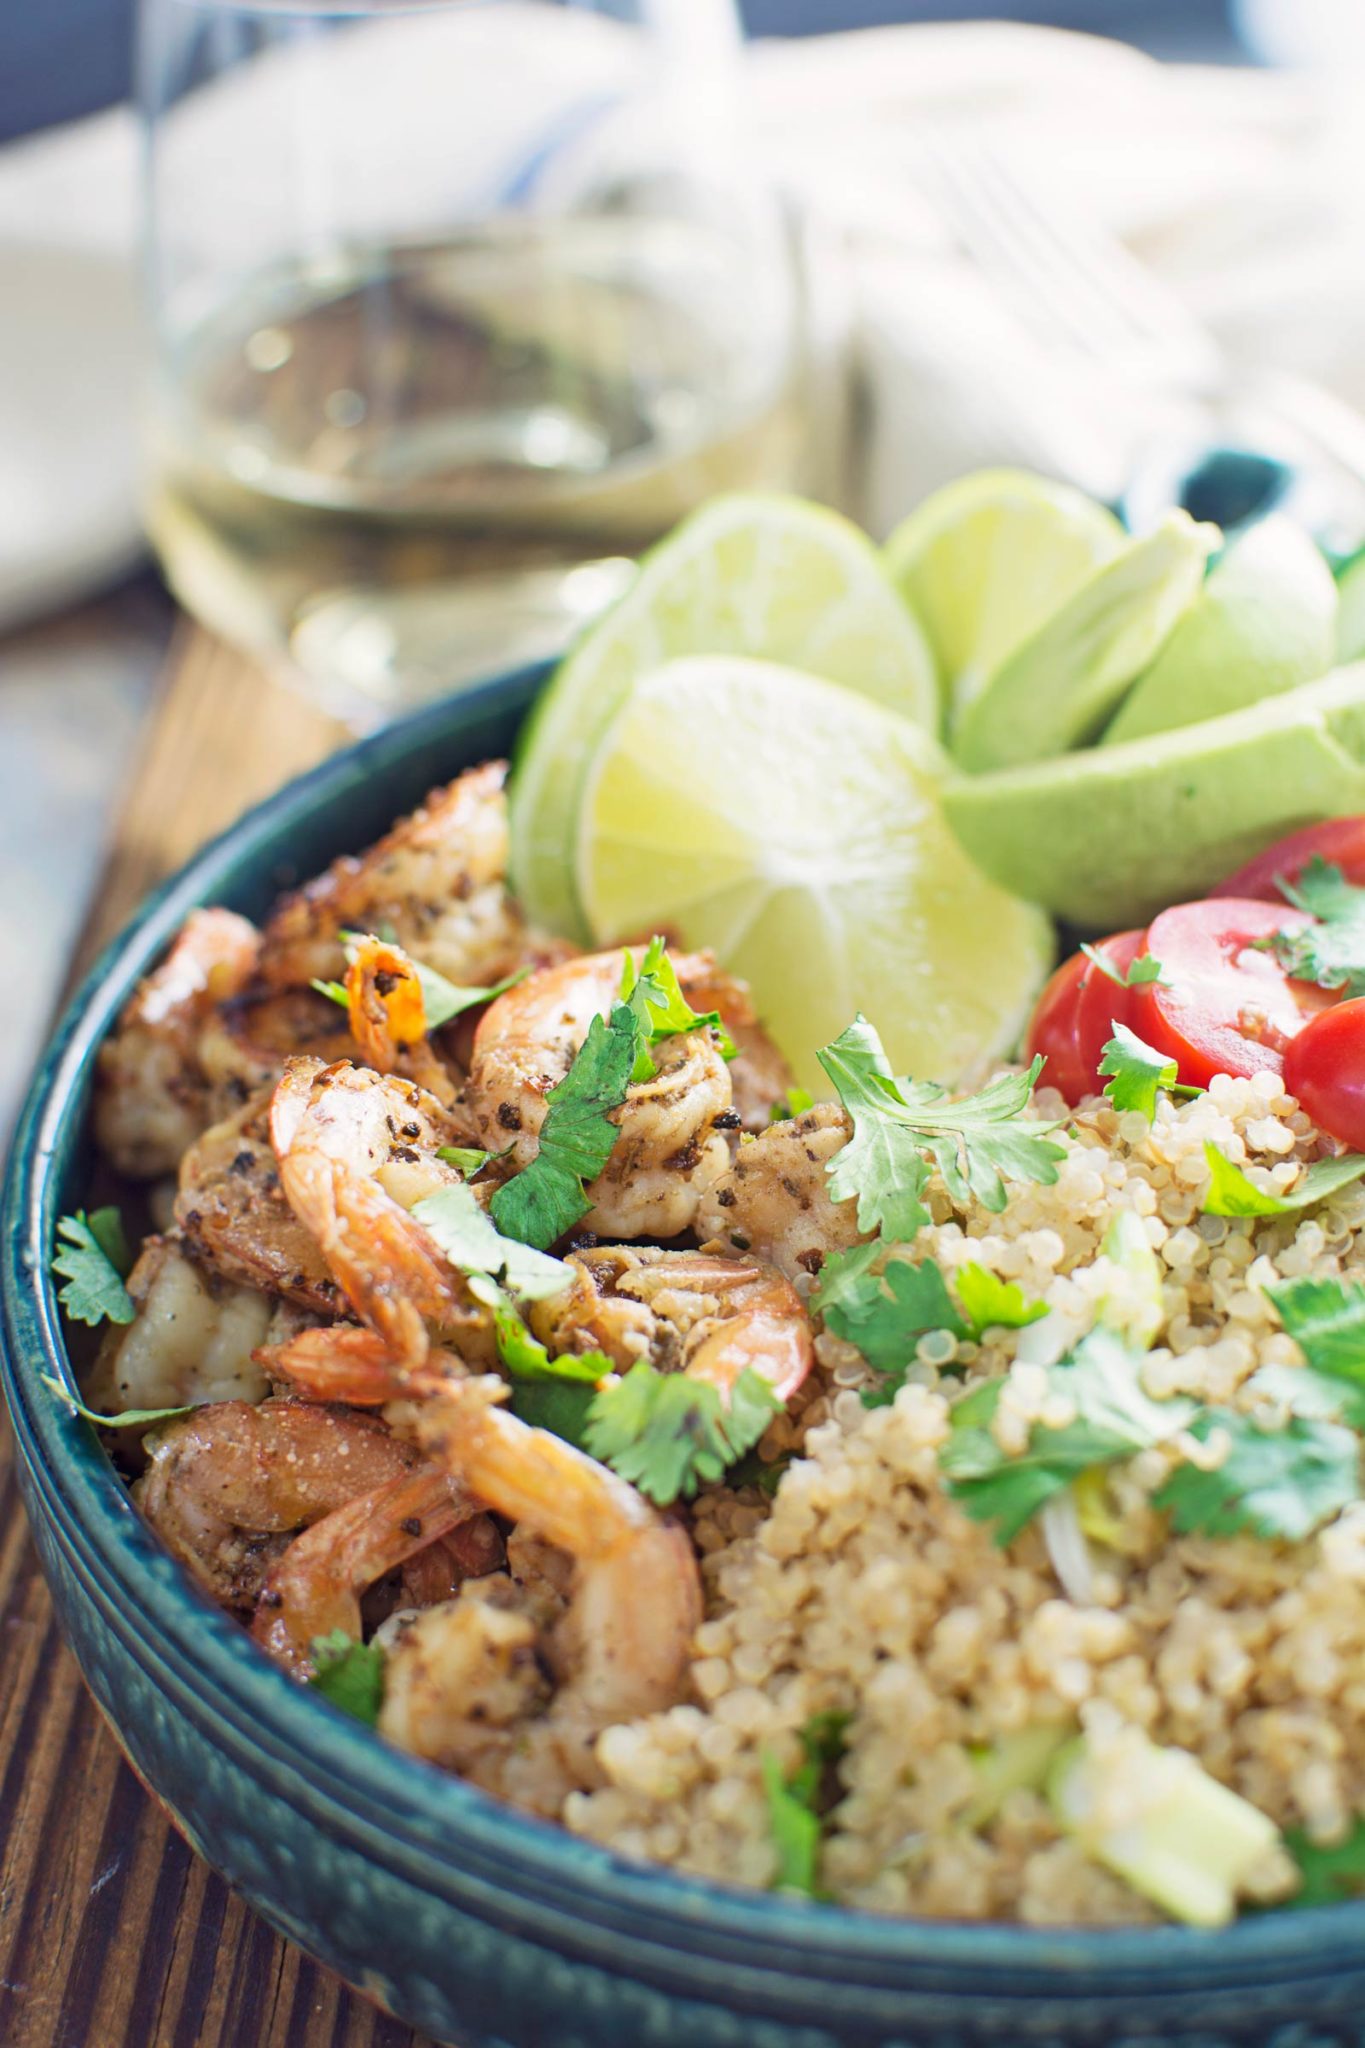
1058,690
1265,621
1107,837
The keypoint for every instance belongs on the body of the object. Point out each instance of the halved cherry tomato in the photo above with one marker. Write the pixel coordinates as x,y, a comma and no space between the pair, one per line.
1339,840
1324,1065
1223,1005
1100,1005
1053,1030
1074,1020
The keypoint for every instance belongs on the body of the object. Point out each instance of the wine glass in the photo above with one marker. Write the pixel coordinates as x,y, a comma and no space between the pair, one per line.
456,307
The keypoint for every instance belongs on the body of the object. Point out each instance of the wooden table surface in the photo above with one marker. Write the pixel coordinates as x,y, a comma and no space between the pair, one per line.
112,1933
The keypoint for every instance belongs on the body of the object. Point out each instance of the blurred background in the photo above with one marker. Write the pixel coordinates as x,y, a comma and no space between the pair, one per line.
69,57
879,245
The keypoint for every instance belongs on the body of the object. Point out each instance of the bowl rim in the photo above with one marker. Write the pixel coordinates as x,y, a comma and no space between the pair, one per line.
428,1814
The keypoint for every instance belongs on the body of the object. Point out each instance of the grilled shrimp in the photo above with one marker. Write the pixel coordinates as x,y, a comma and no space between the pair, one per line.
683,1311
467,1686
191,1340
759,1075
437,881
671,1145
775,1200
230,1209
245,1041
356,1150
316,1585
227,1482
152,1097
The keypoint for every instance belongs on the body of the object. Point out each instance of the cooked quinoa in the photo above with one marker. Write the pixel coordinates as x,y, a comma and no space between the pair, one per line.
863,1588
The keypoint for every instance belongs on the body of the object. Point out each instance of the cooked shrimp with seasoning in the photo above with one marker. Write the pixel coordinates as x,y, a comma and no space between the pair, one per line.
943,1503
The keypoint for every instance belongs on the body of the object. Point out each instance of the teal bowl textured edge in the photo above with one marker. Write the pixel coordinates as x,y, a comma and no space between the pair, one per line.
465,1918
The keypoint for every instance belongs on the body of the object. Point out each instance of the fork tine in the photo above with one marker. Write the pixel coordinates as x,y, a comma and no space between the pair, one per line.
1060,273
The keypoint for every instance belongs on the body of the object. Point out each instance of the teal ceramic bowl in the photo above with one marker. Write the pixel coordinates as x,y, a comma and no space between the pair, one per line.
460,1915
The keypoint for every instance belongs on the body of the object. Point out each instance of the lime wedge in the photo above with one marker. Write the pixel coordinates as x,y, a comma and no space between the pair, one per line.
769,576
1265,621
987,559
796,828
1058,690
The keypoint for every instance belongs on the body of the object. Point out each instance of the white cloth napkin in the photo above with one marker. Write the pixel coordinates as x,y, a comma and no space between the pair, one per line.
1243,190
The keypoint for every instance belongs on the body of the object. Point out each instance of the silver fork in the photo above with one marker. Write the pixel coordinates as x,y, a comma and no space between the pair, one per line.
1067,279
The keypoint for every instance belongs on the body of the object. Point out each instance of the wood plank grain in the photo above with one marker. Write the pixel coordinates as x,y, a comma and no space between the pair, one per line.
112,1933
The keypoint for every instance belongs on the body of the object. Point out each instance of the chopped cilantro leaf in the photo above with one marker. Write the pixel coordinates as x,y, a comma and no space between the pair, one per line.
1326,1319
794,1803
467,1159
561,1406
885,1314
471,1241
1331,1872
1332,951
1285,1482
993,1304
1141,973
654,993
1137,1071
1114,1419
1232,1194
900,1125
335,992
546,1198
764,1473
127,1418
794,1103
350,1674
92,1260
667,1433
523,1353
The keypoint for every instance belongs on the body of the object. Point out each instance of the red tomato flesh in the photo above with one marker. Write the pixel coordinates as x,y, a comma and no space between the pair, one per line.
1223,1006
1074,1020
1100,1005
1340,841
1052,1031
1324,1066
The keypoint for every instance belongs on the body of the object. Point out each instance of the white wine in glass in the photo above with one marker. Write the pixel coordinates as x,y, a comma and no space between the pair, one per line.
411,418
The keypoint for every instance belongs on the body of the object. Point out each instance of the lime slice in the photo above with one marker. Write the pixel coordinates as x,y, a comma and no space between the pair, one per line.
768,576
1265,621
796,828
985,560
1059,689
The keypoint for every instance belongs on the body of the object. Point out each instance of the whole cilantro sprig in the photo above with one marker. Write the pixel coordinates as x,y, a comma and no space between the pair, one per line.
903,1128
1332,951
92,1258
